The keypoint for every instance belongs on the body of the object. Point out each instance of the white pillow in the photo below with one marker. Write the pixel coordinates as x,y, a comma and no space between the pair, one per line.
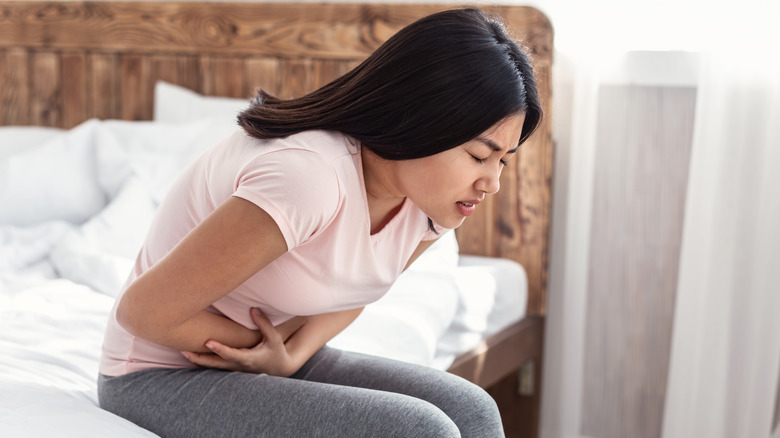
17,139
53,181
492,295
175,104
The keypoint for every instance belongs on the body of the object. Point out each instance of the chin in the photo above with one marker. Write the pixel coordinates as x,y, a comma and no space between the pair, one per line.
450,223
446,219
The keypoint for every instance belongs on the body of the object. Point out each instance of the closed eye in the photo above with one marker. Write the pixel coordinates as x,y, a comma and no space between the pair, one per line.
482,160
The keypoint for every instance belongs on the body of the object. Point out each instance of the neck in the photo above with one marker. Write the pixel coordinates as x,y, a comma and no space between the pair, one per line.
384,198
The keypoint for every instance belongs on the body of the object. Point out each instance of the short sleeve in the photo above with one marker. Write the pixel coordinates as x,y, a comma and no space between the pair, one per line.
297,188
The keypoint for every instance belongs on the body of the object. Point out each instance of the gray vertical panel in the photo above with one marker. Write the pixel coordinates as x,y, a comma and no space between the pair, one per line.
776,421
641,171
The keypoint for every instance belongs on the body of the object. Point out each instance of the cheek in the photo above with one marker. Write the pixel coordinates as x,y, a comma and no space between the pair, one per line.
423,173
440,177
428,184
433,178
449,176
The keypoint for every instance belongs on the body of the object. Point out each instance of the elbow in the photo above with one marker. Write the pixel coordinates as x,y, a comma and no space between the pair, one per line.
134,317
126,317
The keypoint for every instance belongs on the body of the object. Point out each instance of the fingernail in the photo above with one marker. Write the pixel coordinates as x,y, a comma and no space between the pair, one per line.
210,346
256,310
185,354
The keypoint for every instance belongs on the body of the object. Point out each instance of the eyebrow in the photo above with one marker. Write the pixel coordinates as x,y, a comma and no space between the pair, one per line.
492,145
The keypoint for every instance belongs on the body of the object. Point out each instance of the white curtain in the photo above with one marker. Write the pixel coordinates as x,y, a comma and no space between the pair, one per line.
725,356
726,339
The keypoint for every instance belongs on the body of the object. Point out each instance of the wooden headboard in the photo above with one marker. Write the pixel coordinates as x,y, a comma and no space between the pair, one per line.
62,63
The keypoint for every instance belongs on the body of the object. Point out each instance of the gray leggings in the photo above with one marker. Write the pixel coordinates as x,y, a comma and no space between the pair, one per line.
335,394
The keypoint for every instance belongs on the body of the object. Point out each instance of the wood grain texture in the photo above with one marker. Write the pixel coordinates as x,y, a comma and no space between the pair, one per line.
280,30
15,87
262,73
74,95
641,172
165,68
136,87
46,108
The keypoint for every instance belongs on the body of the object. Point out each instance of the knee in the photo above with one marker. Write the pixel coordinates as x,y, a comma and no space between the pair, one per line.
476,413
480,399
425,419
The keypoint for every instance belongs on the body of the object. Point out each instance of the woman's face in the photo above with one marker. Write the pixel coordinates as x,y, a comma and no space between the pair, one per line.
449,186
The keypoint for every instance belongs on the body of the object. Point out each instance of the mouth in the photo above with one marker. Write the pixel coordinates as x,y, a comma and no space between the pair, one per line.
466,208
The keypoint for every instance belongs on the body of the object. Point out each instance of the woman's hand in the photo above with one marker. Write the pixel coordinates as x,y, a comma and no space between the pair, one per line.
270,356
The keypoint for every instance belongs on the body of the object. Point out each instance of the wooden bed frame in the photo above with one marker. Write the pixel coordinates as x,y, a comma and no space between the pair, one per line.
62,63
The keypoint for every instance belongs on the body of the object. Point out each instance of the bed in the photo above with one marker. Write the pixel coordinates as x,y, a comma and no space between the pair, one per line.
102,103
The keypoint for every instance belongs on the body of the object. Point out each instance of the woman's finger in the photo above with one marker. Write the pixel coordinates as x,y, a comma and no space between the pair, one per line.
229,354
210,361
264,324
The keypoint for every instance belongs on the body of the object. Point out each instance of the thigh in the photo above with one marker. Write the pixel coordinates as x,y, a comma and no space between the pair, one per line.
469,406
206,402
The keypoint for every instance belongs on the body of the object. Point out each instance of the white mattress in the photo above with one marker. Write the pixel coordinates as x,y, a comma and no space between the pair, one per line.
75,207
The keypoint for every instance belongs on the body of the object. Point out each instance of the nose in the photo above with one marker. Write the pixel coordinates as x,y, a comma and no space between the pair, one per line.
489,182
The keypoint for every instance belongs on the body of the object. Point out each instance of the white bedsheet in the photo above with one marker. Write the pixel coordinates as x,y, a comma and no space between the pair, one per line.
74,208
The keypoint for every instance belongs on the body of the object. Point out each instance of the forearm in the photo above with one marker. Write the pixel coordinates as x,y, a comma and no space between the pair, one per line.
192,334
284,349
315,333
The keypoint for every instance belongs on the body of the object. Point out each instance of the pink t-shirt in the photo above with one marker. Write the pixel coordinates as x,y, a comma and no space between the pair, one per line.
312,186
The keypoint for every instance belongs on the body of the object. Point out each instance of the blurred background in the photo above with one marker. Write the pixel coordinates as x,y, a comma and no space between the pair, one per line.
665,269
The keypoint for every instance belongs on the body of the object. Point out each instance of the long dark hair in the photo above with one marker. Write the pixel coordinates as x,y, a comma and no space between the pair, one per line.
434,85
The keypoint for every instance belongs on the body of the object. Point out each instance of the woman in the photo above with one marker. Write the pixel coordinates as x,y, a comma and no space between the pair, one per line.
271,242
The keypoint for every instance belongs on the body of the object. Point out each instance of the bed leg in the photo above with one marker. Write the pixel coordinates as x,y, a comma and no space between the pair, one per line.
518,399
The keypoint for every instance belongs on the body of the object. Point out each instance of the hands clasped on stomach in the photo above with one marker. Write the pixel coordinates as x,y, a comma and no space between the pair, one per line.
270,356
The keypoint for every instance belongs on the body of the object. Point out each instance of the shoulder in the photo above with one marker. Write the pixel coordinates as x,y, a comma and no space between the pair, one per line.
309,159
329,145
298,180
316,147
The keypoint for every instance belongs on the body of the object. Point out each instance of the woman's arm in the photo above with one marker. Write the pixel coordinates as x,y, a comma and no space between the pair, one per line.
277,355
166,304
